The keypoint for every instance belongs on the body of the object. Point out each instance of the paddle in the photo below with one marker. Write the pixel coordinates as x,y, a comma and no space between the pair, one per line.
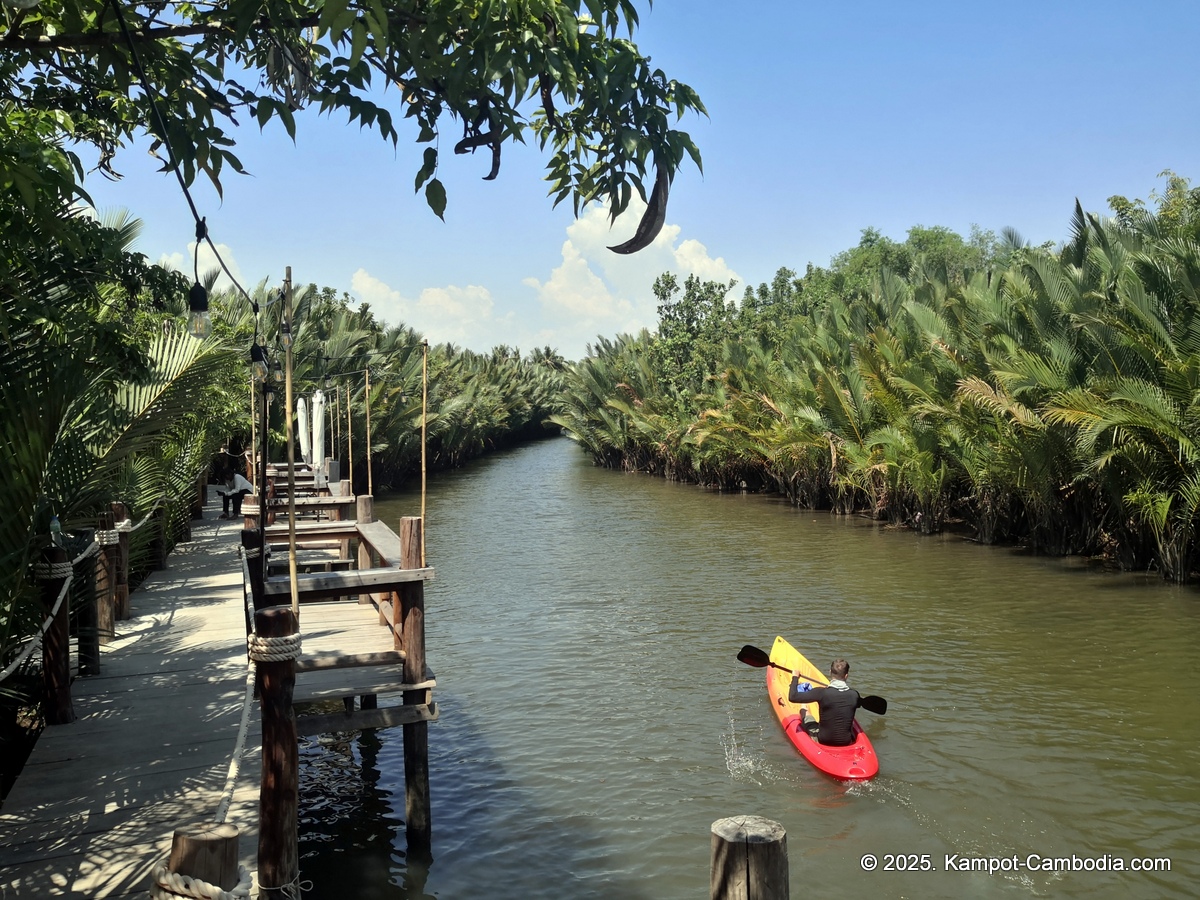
752,656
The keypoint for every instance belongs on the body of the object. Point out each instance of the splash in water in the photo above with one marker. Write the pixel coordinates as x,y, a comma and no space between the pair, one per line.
744,755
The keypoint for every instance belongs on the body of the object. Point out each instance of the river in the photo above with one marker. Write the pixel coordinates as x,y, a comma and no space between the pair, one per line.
584,626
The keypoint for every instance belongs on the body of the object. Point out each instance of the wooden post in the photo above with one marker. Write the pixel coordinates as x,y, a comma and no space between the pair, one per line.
344,491
121,585
278,817
256,566
158,538
364,513
201,495
208,852
56,642
87,615
418,828
106,577
749,859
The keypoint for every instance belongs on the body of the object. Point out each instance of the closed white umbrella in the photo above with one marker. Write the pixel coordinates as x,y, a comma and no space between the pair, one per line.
318,437
302,418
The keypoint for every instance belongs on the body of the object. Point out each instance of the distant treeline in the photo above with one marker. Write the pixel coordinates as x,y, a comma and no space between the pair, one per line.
476,401
1045,395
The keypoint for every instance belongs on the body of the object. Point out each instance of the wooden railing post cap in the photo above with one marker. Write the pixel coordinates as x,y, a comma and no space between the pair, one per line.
275,621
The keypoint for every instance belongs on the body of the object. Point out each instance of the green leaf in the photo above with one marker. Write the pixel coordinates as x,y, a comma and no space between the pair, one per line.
435,196
427,169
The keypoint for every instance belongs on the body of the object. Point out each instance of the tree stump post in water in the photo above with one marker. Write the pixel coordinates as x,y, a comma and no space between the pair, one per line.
418,828
749,859
56,642
278,816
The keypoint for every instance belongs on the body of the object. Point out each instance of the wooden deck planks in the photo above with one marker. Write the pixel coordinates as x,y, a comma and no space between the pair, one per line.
95,808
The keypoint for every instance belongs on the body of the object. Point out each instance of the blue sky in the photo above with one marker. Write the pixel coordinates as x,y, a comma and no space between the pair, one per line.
825,118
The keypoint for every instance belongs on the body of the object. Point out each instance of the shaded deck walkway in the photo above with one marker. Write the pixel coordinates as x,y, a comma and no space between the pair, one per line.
93,812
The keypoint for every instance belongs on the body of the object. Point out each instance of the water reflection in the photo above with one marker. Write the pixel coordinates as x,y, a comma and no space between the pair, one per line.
584,626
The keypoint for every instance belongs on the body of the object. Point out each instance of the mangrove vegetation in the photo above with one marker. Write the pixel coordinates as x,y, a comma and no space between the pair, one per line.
1046,395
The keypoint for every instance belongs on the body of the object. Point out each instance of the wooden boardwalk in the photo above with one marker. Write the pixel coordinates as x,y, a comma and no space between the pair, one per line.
151,749
93,812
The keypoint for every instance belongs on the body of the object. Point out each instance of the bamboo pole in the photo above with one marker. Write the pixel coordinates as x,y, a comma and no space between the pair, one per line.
370,482
424,418
254,433
291,442
349,440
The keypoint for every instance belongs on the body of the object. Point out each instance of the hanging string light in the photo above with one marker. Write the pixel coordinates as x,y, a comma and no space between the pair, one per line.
258,361
199,322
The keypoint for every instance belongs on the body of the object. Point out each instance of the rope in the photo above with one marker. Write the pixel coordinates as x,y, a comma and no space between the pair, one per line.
146,518
292,890
235,763
168,885
44,571
108,537
49,572
124,527
273,649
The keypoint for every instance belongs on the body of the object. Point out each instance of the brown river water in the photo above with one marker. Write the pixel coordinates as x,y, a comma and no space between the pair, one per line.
584,626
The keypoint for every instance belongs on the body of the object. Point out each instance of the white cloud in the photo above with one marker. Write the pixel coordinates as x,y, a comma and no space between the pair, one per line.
207,261
598,292
459,315
592,292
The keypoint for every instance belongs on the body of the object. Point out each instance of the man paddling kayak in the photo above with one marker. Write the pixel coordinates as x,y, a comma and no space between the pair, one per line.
836,703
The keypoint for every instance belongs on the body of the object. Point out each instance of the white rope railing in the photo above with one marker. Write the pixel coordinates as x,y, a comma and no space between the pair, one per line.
168,885
273,649
49,572
160,502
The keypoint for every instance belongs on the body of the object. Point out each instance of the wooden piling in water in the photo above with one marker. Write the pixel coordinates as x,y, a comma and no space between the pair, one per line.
278,856
418,827
56,642
749,859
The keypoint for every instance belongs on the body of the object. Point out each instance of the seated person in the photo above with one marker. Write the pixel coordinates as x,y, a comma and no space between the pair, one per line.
232,491
836,703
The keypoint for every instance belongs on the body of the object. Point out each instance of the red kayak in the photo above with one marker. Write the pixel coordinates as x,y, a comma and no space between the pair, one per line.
856,762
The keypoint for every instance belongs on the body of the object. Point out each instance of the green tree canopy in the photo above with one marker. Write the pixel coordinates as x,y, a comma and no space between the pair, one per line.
499,70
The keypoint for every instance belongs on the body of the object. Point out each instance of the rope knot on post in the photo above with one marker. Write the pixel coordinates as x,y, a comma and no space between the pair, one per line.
108,537
168,885
273,649
44,571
